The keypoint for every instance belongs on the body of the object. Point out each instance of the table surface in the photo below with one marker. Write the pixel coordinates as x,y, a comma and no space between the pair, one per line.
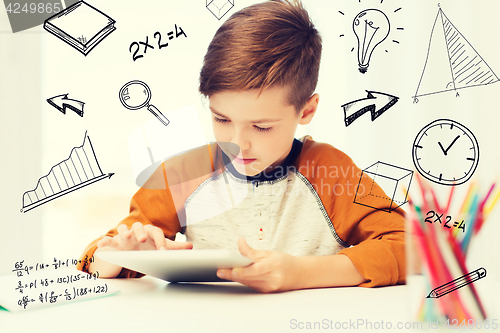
155,305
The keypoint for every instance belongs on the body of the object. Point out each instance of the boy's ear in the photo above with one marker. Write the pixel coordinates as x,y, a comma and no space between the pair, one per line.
308,111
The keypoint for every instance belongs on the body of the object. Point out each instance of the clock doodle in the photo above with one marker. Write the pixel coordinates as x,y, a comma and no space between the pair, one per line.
446,152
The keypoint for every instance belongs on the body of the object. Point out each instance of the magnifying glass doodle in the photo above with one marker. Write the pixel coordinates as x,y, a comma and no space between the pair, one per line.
135,95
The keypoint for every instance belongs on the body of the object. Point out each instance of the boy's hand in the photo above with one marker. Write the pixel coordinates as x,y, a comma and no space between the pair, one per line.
270,272
141,237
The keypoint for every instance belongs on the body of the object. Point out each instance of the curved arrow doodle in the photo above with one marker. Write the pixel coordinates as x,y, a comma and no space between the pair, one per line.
62,102
368,104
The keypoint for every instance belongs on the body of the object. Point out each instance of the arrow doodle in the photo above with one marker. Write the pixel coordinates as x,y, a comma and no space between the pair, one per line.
62,102
368,104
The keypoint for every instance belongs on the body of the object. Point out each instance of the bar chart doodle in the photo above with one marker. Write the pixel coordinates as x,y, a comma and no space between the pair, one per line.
451,63
80,169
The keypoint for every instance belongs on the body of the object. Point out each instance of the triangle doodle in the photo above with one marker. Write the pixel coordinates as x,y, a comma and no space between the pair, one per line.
452,63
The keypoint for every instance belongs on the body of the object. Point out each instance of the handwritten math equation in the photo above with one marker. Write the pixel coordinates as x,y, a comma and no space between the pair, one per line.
68,295
20,268
135,47
431,214
45,282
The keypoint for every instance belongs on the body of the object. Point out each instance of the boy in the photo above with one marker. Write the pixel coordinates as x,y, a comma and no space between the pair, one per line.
280,201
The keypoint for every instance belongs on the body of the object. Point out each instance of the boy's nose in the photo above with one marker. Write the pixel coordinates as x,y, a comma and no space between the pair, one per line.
241,140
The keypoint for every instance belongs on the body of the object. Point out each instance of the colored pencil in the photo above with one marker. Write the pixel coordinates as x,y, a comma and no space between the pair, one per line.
492,205
442,255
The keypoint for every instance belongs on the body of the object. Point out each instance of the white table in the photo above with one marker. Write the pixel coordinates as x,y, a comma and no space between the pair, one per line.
152,305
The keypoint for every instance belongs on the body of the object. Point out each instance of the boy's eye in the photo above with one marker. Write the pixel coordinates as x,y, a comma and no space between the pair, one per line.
220,120
260,129
263,129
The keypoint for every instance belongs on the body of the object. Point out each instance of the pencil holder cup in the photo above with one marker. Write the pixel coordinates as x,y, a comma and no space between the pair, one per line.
441,286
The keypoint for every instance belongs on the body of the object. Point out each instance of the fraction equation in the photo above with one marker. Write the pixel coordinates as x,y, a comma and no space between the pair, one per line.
69,295
135,47
46,287
431,214
20,267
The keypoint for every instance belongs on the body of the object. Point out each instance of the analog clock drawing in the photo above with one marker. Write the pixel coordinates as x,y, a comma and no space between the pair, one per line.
446,152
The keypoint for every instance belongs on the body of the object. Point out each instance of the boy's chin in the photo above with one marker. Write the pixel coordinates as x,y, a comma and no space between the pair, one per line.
246,170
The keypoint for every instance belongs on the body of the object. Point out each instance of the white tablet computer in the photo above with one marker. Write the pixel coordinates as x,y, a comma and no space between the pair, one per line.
177,265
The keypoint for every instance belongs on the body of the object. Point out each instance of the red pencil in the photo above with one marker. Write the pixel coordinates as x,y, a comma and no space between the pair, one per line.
449,199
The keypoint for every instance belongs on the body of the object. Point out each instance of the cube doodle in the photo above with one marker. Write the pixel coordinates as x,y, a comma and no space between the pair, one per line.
391,192
219,8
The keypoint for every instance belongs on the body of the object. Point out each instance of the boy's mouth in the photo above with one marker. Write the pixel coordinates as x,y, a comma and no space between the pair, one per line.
242,160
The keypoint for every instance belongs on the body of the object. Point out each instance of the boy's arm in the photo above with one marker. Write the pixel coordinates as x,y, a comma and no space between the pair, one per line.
273,271
376,259
379,253
327,271
374,239
152,204
377,237
160,201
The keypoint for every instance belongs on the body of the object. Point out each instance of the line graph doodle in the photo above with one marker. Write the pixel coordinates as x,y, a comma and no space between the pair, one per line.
80,169
451,63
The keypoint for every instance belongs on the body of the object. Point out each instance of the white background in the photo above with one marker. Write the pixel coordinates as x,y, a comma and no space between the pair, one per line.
35,65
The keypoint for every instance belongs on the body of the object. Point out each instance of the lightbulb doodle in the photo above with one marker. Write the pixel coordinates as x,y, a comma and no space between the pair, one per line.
371,27
451,63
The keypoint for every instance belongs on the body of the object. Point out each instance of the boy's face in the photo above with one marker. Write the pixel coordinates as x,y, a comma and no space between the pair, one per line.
263,127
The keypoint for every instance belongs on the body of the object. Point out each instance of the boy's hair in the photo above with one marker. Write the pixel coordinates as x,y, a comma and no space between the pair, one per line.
270,43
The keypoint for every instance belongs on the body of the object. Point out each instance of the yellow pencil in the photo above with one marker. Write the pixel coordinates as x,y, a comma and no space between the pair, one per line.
493,203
